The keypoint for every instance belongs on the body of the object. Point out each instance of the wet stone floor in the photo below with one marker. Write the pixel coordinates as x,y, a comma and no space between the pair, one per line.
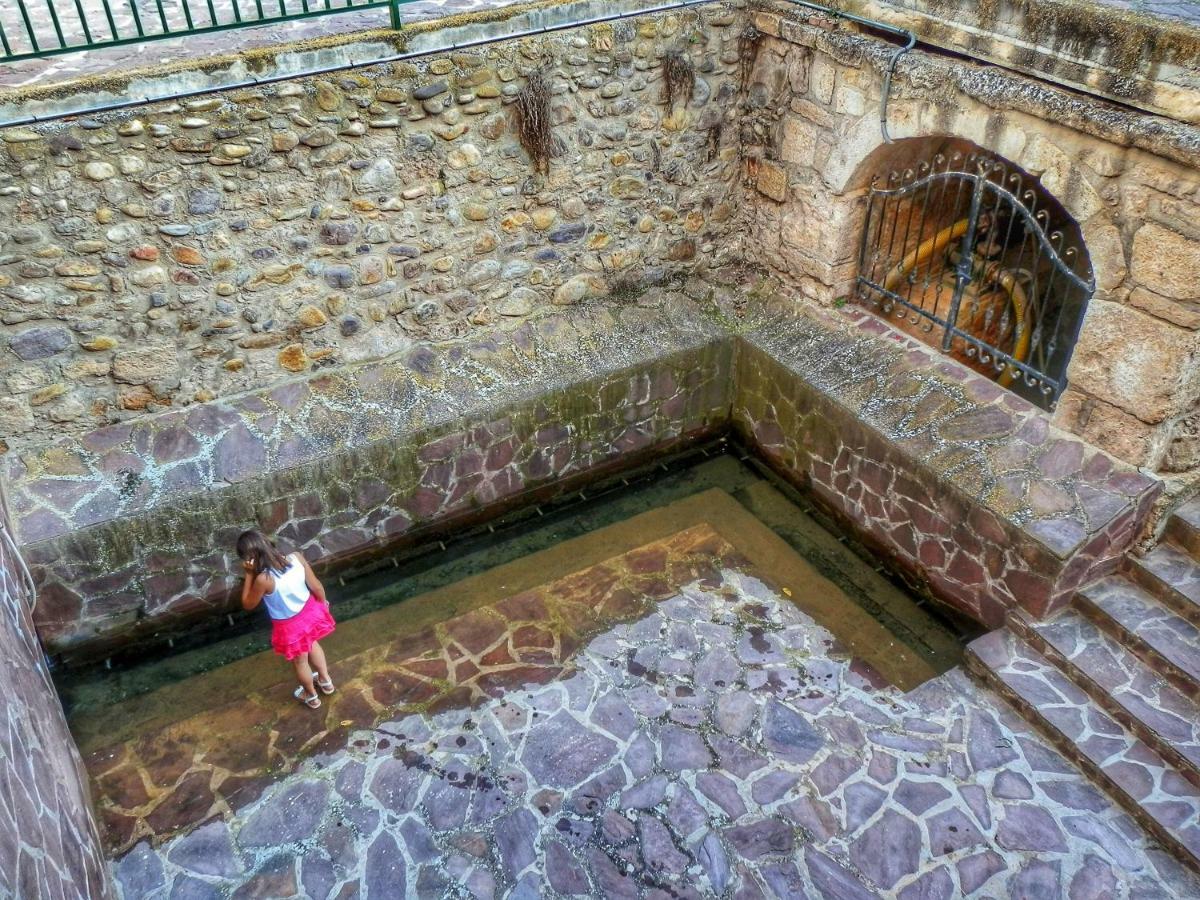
662,724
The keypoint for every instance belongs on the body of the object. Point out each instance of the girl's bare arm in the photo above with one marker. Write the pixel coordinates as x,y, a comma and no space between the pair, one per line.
311,579
253,588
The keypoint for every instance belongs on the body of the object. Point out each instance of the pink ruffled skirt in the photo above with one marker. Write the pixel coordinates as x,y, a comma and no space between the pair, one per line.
294,636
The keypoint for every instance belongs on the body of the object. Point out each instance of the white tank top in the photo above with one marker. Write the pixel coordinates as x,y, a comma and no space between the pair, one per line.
291,591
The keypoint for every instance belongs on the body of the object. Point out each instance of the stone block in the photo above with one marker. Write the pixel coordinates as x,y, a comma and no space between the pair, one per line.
799,140
1141,364
1112,429
1184,313
772,181
1166,262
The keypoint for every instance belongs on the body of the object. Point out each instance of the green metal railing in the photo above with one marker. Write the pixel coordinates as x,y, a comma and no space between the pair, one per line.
36,28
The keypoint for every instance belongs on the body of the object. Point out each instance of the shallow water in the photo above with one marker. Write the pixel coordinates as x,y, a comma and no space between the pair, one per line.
103,705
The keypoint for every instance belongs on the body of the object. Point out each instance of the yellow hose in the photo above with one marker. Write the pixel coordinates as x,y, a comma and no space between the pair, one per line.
924,251
1012,288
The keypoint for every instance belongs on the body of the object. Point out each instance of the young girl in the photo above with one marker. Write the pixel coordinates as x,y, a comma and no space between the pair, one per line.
295,601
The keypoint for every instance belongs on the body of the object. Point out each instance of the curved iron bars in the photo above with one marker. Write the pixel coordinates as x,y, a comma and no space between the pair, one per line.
910,41
987,234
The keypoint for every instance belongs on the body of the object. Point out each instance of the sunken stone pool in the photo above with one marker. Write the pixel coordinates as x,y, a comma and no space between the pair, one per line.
675,682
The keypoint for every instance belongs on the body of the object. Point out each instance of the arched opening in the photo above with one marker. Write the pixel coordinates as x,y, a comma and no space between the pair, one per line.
968,252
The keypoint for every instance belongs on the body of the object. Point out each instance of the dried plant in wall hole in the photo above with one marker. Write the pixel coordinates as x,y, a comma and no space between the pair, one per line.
679,79
531,117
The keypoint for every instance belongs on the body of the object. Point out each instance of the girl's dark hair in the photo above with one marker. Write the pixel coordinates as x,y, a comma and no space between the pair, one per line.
257,546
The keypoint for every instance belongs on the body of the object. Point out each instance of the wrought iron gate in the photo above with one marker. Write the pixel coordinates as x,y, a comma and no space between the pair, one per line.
960,249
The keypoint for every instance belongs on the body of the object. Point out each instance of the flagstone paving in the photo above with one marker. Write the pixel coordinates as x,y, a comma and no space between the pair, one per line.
663,724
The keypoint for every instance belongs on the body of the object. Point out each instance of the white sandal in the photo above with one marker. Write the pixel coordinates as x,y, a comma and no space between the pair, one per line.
313,702
326,687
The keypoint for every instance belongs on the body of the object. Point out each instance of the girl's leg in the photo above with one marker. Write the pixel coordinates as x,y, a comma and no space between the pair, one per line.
303,668
317,656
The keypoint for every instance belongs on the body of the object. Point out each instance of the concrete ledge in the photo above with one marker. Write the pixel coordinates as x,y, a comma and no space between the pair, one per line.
957,481
130,529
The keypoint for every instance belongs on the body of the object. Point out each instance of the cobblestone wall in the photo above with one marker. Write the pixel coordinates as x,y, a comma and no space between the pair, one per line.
209,247
344,462
48,841
1131,182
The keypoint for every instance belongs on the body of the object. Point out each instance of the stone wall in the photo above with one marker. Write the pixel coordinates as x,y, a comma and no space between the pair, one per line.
1130,180
129,531
198,250
49,846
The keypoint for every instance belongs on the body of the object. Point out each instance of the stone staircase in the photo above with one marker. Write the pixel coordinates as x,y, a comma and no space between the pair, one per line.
1114,681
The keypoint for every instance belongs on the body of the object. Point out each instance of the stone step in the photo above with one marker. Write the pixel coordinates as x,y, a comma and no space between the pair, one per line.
1138,697
1183,527
1164,639
1172,574
1153,791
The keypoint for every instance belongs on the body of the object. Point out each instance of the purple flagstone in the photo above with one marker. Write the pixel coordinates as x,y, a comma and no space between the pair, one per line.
833,880
862,801
773,786
645,794
318,877
685,813
735,712
658,850
987,745
395,785
713,858
683,750
561,752
515,836
722,791
787,734
206,851
611,880
975,871
562,871
784,881
1029,827
140,872
1088,828
1012,786
289,815
937,884
385,870
1094,881
755,839
1037,880
188,888
951,831
888,850
527,792
919,796
614,715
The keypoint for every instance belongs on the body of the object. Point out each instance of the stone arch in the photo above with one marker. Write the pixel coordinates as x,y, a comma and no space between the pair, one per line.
861,152
1037,319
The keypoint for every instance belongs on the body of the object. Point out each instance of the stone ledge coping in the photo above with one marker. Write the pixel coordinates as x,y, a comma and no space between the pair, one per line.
1120,54
125,470
292,58
991,445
